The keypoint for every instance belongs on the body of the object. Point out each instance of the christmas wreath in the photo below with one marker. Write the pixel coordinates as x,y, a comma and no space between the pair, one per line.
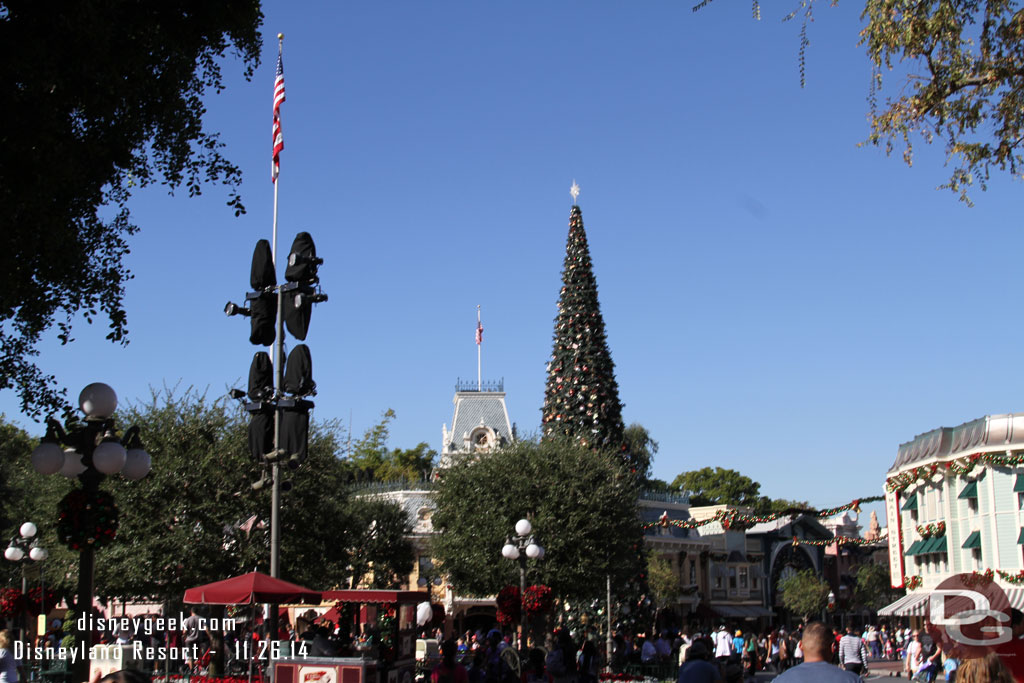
86,521
538,600
11,601
508,605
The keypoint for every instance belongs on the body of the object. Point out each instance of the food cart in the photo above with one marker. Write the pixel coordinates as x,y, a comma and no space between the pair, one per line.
383,625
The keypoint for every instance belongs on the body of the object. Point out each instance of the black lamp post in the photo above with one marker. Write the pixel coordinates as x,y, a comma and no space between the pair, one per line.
89,450
25,548
520,547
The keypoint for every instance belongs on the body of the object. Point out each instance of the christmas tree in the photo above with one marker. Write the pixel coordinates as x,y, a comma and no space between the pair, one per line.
581,401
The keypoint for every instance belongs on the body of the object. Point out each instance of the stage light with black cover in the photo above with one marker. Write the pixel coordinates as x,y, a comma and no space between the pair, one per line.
302,260
260,483
295,430
262,275
286,486
261,377
236,394
298,373
261,430
264,316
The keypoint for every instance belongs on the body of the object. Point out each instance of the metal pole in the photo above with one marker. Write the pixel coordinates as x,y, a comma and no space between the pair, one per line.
479,382
275,495
608,640
522,597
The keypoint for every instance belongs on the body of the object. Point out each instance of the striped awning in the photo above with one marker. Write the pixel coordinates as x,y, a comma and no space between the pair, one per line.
912,604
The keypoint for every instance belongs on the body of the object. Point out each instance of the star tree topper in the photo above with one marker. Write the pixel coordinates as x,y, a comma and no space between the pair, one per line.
574,191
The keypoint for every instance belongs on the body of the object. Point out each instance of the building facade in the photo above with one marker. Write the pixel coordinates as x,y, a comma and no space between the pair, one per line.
955,505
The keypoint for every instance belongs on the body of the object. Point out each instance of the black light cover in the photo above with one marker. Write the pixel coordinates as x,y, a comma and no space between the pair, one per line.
298,309
302,260
261,377
263,319
262,275
298,373
261,433
295,429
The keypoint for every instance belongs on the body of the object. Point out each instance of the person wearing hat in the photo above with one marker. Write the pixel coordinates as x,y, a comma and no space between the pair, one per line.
738,642
697,668
723,645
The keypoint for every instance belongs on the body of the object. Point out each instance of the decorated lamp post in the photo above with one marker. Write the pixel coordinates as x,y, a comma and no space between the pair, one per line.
87,518
521,547
25,548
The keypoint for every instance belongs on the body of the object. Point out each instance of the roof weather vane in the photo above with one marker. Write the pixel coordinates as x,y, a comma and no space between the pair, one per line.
574,191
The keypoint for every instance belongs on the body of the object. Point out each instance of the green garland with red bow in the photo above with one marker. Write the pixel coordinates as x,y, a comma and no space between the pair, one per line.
733,519
86,521
928,530
957,466
912,582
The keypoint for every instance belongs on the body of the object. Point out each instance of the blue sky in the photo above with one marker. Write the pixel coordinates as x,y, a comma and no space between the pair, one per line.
777,300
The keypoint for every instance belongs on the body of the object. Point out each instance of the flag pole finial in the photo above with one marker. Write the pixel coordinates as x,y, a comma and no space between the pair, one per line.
280,36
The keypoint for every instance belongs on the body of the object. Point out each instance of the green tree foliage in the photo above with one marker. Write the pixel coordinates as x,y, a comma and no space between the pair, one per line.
873,589
641,448
195,518
583,505
382,554
664,582
964,84
961,81
371,459
718,486
804,593
581,399
99,98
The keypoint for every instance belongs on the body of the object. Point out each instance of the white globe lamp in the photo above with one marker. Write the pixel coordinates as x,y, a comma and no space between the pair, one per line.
72,466
28,530
38,554
533,551
137,464
47,458
523,527
14,553
510,552
98,401
109,457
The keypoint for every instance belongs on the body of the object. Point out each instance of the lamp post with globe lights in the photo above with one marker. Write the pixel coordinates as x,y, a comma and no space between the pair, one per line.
520,547
25,548
89,450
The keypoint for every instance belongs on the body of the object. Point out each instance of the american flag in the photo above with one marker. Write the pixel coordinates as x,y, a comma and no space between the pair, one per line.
278,99
479,332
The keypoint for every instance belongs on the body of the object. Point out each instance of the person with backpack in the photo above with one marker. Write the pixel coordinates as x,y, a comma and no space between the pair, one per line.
449,670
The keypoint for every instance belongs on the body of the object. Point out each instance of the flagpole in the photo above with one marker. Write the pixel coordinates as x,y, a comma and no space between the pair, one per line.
275,466
479,344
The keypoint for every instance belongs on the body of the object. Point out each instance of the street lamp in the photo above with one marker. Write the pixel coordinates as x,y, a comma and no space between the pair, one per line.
87,517
520,547
25,548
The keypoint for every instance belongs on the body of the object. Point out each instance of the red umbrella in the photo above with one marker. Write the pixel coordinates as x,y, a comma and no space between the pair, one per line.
249,589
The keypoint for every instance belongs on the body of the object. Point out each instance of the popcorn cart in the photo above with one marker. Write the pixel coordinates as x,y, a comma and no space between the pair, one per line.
383,631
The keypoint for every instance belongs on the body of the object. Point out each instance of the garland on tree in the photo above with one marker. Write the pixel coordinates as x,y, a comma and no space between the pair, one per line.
929,530
83,521
735,520
958,467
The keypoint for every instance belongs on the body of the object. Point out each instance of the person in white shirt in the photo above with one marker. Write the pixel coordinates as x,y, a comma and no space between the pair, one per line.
723,645
914,656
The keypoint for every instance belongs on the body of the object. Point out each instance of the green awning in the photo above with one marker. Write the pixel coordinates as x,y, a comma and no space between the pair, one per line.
973,541
911,503
970,491
927,546
914,548
938,545
1018,487
1020,538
